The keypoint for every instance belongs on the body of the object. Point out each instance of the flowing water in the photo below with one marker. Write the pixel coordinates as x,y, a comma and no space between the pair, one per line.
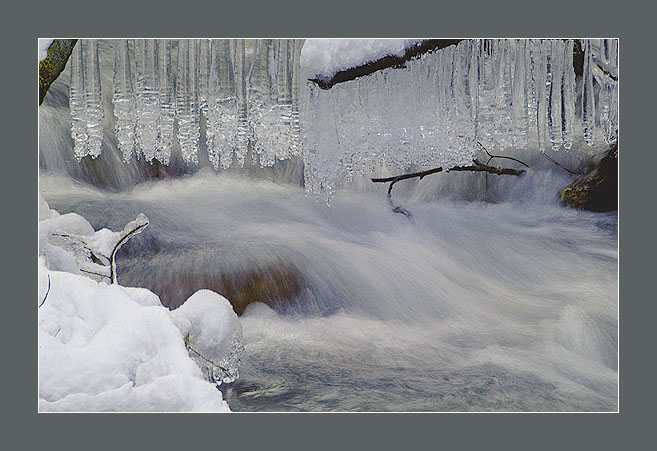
472,306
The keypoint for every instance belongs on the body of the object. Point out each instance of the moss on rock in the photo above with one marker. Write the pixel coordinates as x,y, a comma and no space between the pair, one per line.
49,69
597,190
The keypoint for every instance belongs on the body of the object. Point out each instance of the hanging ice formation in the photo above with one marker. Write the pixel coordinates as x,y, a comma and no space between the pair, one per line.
504,93
85,100
245,91
254,98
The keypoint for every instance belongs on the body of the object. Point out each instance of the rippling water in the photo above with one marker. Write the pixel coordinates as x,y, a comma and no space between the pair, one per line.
473,306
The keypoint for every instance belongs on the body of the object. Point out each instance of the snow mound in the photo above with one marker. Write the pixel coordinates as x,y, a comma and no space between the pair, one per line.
109,348
213,333
323,58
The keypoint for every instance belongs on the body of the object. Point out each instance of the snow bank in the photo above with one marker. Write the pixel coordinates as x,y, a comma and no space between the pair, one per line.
110,348
323,58
43,48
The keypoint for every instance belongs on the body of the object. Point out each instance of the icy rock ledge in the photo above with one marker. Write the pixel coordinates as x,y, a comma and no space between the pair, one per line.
105,347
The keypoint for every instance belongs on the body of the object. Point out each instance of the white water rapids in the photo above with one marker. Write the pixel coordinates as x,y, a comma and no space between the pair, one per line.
473,306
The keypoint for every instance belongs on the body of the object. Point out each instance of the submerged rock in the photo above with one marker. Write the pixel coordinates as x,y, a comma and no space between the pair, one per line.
597,190
272,283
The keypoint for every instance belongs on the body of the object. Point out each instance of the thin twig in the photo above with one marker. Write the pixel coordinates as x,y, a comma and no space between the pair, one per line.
562,167
47,292
223,370
95,273
477,167
501,156
606,72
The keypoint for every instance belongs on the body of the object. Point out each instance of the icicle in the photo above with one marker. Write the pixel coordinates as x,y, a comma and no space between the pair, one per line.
465,138
284,98
187,111
238,53
588,102
487,87
77,103
530,73
86,101
555,94
612,131
607,96
167,101
503,94
95,108
148,98
261,101
123,98
203,75
568,100
473,83
541,81
222,107
519,96
295,130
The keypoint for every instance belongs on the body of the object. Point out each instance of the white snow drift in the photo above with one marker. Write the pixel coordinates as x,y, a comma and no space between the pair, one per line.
105,347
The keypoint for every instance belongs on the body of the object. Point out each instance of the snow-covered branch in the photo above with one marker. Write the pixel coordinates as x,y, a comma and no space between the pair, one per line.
94,253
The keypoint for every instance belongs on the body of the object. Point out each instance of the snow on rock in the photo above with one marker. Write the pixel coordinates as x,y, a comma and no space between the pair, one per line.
44,44
57,257
214,334
109,348
323,58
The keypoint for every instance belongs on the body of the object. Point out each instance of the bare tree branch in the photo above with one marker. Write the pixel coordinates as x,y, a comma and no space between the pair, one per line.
476,167
560,165
88,250
214,364
500,156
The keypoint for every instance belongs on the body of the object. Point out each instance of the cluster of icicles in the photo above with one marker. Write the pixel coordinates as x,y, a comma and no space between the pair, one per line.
502,93
243,89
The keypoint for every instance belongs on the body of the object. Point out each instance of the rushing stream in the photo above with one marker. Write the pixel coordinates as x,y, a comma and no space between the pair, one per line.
508,305
473,306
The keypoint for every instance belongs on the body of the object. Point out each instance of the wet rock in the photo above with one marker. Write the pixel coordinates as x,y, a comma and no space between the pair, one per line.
597,190
272,283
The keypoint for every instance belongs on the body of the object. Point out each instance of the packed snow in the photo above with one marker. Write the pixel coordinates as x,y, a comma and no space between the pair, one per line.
106,347
44,44
323,58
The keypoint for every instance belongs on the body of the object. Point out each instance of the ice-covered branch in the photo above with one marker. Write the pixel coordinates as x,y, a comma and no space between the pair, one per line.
132,228
97,252
387,61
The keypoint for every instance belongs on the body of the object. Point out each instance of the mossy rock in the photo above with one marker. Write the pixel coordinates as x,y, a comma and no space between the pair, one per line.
597,190
49,69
